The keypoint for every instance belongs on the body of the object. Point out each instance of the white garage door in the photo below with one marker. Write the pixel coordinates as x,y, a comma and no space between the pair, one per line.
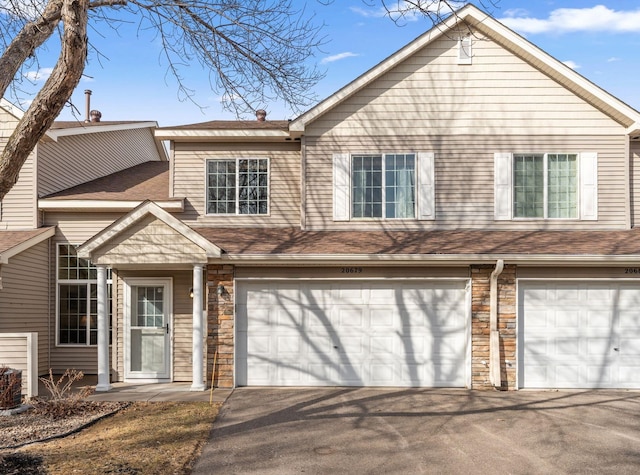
380,333
579,335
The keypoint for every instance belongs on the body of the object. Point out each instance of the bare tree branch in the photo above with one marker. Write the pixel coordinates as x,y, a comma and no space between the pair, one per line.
53,95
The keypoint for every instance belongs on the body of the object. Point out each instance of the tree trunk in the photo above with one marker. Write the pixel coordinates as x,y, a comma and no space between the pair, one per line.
52,97
25,43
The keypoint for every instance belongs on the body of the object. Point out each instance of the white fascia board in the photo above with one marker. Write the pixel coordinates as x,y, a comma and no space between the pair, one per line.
94,129
634,130
219,135
12,109
176,205
23,246
454,260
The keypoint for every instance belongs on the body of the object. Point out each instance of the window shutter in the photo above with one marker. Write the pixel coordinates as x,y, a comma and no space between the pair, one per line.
503,176
426,189
589,186
341,186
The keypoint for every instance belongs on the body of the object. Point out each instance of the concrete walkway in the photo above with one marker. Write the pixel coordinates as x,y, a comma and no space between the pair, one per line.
147,392
159,392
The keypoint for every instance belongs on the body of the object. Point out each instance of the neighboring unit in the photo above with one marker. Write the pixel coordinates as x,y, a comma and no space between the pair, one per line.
461,215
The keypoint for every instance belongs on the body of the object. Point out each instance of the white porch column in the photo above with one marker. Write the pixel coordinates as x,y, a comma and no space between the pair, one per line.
198,335
103,331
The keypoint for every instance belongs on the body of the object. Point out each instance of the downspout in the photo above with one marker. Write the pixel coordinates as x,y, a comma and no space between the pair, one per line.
494,335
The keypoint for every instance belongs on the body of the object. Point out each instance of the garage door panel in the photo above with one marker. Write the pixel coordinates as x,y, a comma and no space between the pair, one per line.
343,337
569,340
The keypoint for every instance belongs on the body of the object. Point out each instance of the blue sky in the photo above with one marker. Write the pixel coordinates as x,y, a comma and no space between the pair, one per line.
599,39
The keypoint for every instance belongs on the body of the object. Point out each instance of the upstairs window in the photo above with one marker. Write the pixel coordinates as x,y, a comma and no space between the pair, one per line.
78,298
546,186
383,186
238,186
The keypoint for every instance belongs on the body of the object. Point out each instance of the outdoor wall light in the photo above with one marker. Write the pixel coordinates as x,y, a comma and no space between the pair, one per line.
221,290
191,292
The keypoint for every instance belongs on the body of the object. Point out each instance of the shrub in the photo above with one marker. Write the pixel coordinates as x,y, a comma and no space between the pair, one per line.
10,387
65,397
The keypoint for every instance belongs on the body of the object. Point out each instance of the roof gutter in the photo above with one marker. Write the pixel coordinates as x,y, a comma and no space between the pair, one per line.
494,335
542,260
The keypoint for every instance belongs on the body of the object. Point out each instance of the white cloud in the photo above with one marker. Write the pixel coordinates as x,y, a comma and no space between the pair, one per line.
571,64
613,59
40,75
338,57
563,20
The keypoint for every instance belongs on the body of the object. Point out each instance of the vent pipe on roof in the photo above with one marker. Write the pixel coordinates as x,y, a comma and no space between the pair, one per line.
95,116
261,115
87,95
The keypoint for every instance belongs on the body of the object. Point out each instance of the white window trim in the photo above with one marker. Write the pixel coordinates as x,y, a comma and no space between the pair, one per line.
587,193
87,282
237,212
424,188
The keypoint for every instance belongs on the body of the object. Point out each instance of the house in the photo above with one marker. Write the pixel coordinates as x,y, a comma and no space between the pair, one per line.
461,215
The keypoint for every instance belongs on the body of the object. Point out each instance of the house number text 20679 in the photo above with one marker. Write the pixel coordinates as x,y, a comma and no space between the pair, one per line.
351,270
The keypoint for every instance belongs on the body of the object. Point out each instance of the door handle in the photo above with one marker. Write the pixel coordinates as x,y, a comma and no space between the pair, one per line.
167,328
616,349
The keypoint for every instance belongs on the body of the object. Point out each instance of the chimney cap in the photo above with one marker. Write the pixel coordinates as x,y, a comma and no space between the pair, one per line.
261,115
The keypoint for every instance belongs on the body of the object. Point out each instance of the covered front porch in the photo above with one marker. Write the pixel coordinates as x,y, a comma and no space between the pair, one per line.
152,327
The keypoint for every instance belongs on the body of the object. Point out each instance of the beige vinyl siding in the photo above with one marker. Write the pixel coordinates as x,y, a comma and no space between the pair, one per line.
182,328
431,94
76,228
635,182
14,354
189,181
76,159
24,298
19,205
150,241
464,179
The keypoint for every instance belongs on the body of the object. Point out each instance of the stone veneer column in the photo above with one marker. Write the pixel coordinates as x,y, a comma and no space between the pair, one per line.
220,315
480,302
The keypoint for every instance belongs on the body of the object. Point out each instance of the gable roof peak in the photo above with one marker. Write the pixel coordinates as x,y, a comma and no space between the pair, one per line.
475,18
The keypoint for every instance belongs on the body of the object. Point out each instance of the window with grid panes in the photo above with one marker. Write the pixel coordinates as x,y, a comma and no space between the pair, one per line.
238,186
383,186
78,298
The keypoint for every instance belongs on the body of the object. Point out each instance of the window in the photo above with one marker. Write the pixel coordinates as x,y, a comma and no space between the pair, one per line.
239,186
546,186
383,186
78,298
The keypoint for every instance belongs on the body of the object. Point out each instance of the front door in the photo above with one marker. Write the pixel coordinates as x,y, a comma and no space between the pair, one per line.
147,329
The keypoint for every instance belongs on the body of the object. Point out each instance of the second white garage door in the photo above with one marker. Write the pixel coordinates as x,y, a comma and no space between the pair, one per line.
365,333
581,334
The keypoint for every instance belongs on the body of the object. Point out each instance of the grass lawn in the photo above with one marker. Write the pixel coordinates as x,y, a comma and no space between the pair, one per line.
145,438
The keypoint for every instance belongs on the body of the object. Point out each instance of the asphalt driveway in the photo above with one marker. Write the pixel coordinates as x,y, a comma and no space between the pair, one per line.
409,431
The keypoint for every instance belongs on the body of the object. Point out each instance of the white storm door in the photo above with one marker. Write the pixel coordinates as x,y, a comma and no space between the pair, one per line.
147,328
